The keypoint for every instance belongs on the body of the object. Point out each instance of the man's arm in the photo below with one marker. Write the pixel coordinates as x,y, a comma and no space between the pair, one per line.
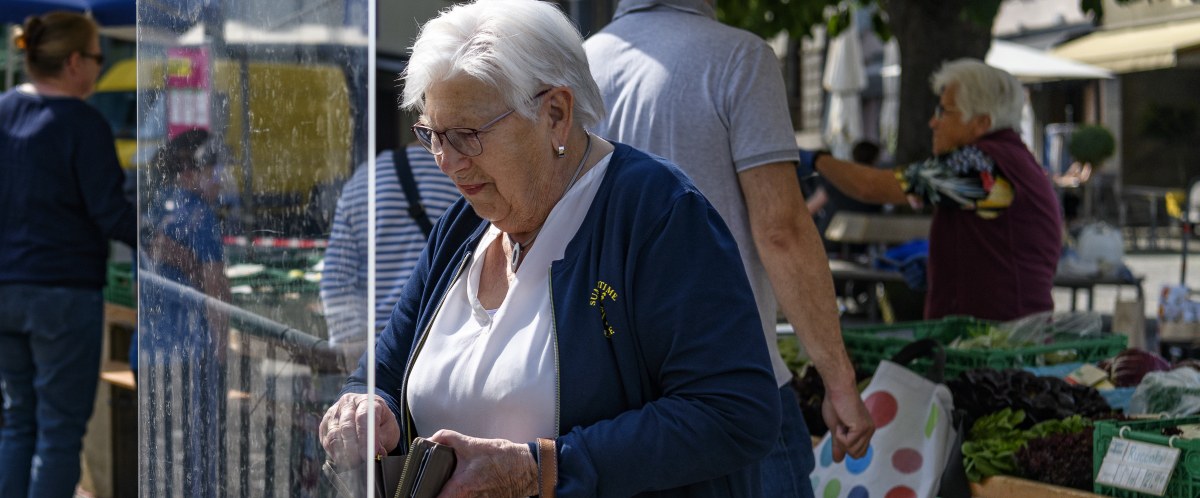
214,283
864,183
343,296
791,250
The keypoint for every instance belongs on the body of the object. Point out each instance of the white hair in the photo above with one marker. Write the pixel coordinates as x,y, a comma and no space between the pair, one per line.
516,46
982,90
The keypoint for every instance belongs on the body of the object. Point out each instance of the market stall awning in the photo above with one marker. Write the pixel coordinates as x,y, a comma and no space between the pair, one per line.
1031,65
1140,48
303,34
106,12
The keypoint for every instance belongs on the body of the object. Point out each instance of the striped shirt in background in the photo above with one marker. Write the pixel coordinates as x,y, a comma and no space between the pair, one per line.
399,242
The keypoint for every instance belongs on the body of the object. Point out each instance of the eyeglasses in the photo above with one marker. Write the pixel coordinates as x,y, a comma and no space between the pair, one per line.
464,140
939,111
99,58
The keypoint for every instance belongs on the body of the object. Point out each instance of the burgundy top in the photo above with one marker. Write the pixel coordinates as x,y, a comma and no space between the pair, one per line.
1002,268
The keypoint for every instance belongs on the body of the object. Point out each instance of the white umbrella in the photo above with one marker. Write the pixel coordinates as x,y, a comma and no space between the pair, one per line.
889,112
844,79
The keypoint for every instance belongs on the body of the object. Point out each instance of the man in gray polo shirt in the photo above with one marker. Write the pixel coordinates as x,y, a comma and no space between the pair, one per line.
711,99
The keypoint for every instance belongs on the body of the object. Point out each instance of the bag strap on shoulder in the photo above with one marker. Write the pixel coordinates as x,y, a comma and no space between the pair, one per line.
404,173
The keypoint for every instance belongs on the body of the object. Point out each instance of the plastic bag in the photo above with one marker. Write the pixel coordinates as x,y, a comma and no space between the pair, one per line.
1175,393
1103,244
1049,326
1071,264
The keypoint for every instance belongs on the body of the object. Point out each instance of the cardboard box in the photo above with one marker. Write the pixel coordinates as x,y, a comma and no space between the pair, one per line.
1015,487
1179,331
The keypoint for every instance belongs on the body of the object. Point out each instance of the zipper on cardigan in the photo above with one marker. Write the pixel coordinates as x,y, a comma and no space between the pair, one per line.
554,341
409,424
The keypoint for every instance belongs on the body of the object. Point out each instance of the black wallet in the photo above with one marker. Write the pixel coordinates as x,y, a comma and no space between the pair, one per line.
426,468
420,473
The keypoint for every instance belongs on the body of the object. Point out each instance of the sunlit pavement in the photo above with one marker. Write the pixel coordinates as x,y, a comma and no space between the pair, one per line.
1158,269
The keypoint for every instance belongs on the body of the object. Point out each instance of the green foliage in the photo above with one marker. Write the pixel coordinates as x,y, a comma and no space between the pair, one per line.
989,337
981,12
768,18
789,350
879,23
838,22
1092,144
1168,122
1000,425
990,457
1069,425
1096,8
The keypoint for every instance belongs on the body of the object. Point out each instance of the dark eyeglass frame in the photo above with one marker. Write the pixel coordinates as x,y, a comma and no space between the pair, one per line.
939,111
99,58
464,140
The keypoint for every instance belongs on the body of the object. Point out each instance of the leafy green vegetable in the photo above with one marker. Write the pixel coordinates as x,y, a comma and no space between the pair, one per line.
994,441
999,425
981,392
789,350
990,457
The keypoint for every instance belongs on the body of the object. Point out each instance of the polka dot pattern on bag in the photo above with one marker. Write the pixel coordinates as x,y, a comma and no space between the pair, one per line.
883,407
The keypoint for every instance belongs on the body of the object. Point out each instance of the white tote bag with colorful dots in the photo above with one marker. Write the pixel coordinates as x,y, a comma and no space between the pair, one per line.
914,435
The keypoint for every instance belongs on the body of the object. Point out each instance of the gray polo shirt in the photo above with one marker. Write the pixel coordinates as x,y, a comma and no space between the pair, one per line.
708,97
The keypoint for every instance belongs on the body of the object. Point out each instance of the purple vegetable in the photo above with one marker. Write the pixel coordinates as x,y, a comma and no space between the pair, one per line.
1062,459
1127,368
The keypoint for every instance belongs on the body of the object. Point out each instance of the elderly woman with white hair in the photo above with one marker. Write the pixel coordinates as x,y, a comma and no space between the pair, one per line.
580,323
997,231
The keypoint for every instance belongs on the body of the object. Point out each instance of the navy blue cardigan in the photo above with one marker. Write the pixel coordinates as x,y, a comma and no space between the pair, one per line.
664,383
60,192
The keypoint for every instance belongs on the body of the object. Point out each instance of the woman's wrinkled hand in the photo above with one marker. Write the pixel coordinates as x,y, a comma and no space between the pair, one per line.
344,429
488,467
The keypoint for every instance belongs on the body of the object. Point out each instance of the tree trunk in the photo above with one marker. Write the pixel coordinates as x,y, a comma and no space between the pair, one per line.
928,33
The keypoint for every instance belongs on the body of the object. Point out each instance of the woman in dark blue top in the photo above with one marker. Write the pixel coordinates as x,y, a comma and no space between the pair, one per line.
60,203
580,323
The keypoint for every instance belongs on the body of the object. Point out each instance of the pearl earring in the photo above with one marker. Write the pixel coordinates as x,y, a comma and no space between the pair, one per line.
562,151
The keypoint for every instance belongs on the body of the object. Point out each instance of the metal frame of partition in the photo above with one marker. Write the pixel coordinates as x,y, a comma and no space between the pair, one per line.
241,419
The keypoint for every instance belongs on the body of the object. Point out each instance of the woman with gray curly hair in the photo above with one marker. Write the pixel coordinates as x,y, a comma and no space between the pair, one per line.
996,233
580,323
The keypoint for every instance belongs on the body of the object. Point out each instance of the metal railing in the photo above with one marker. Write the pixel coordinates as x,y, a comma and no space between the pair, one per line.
230,414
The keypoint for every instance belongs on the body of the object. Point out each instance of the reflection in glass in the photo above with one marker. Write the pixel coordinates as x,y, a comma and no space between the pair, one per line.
249,116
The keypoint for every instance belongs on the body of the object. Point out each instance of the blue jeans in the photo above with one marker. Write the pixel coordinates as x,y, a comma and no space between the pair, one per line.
49,369
785,470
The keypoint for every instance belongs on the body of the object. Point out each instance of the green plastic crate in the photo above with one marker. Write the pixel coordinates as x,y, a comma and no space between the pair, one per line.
274,282
1185,480
868,345
118,286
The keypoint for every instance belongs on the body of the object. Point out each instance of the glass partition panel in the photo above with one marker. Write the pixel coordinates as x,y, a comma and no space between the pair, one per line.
252,114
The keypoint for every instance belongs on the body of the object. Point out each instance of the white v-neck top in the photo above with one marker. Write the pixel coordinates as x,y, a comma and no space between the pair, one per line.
493,375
